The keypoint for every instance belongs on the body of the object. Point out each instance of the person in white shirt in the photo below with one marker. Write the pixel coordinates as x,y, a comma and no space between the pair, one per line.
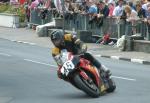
144,6
119,9
109,1
131,13
131,20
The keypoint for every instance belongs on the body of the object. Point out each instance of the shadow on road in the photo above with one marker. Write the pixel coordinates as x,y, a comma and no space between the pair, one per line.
72,96
79,96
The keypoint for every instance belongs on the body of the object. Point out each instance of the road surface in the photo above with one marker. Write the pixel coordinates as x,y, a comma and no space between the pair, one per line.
28,75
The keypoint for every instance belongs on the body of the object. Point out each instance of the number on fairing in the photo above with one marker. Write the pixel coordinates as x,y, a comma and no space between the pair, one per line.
67,67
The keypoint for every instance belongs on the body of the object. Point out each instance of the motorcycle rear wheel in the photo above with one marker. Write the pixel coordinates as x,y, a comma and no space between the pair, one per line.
112,86
83,85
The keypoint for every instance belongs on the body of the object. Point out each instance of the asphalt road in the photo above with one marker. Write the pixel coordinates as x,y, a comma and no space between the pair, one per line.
28,75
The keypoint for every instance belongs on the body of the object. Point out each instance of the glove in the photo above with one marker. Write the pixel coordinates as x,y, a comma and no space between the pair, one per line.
83,48
61,76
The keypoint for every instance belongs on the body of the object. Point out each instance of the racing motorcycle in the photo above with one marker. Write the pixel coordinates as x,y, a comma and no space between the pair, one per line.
84,75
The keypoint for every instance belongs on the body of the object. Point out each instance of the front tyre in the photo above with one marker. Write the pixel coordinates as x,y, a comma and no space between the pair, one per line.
90,88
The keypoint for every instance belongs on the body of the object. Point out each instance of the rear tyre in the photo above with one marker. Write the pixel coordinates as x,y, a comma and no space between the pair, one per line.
90,88
112,86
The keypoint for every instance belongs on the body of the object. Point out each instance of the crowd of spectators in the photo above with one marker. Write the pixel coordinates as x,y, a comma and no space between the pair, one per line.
97,10
4,1
127,10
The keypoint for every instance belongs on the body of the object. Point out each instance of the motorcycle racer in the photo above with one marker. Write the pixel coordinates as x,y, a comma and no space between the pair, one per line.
72,44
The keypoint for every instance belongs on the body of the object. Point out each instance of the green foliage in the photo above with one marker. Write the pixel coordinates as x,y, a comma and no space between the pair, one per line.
11,9
3,7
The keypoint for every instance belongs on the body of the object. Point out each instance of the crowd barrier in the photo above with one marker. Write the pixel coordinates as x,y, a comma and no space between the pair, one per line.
37,19
114,26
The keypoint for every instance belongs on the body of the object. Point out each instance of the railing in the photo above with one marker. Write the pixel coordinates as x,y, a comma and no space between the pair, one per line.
36,17
114,26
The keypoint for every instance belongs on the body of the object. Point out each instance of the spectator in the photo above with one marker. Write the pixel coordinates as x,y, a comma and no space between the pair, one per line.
140,10
148,12
103,9
123,17
43,7
143,1
103,13
70,10
130,3
144,6
147,19
106,39
92,7
34,4
13,2
118,11
131,14
83,8
111,1
27,10
141,14
47,4
4,1
79,2
131,19
58,6
92,12
107,2
111,9
68,6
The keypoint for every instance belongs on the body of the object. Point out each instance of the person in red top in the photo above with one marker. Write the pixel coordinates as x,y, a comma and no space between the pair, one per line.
111,9
105,39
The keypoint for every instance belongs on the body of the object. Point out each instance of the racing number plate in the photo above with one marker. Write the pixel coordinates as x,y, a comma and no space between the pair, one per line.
67,67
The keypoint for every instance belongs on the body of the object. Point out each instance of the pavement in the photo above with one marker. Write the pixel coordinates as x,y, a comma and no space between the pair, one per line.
29,36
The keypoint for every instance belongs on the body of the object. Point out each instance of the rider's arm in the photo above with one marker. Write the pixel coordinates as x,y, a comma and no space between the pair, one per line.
79,43
57,58
76,41
56,55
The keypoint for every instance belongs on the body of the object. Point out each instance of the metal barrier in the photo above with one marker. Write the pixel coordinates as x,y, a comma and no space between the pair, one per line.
35,17
138,27
114,26
81,22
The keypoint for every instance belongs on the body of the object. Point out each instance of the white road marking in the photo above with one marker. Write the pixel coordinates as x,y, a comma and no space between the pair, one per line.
29,43
4,54
124,78
26,42
40,62
23,42
118,77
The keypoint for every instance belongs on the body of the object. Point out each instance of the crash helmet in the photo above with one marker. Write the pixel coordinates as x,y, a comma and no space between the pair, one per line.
57,37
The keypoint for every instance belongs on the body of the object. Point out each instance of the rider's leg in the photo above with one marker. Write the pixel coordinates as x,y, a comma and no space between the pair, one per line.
95,62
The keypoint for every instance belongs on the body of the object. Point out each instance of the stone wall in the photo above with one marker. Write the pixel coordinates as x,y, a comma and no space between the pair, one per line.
141,46
9,20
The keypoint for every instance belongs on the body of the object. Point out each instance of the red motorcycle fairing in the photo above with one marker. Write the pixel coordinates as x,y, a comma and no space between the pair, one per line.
85,64
83,75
